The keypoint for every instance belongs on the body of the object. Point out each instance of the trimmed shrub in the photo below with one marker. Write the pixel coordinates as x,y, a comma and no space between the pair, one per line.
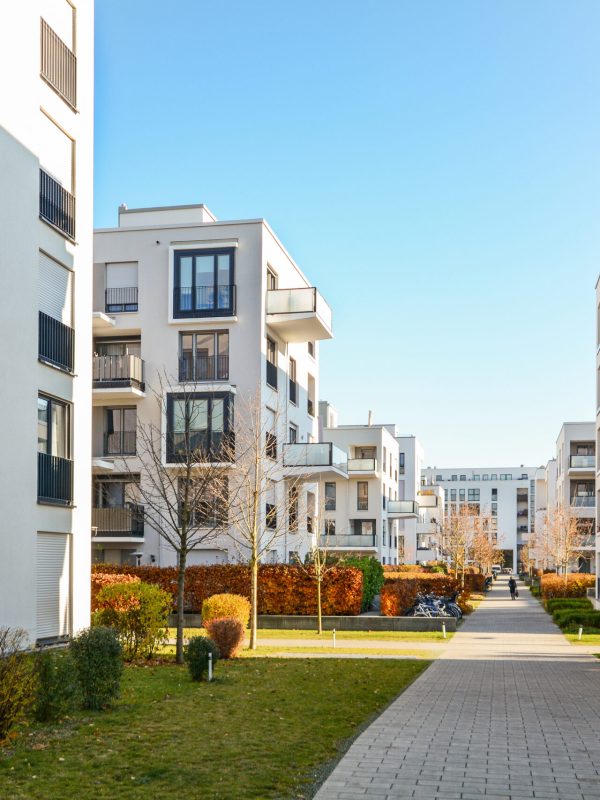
138,612
566,618
559,603
397,596
232,606
102,579
57,689
575,585
228,634
98,658
17,678
196,656
373,577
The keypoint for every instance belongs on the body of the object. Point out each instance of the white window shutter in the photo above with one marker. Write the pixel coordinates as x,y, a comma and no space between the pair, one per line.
55,290
121,274
53,585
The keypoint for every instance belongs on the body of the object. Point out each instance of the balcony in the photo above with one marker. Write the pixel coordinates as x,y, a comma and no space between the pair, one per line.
57,205
59,65
204,301
56,343
298,315
117,300
427,500
315,459
120,443
203,368
349,542
583,501
55,479
582,463
362,466
402,508
119,523
117,379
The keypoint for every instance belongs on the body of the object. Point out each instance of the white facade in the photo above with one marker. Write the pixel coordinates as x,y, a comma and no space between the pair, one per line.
597,430
46,156
177,292
412,458
507,494
545,502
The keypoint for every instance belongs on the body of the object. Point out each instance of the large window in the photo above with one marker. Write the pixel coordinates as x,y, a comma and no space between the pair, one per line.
55,468
293,382
330,496
203,283
205,506
271,363
120,431
204,356
197,426
362,495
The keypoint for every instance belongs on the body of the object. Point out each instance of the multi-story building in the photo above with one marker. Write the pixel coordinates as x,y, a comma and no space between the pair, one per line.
46,142
412,459
545,502
506,494
430,525
219,305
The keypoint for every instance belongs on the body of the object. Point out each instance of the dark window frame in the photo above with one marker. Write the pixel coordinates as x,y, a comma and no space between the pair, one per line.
215,310
228,411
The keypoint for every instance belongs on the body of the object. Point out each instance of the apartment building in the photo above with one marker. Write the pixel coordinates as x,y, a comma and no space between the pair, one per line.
545,502
430,525
46,143
220,305
507,494
597,433
412,460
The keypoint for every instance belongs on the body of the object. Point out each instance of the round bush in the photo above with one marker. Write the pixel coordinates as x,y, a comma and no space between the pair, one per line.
228,634
17,678
226,605
196,656
98,658
57,688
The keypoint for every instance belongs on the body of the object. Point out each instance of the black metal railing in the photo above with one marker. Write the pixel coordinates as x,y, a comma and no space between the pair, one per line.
201,447
111,371
121,299
57,205
272,374
293,392
56,342
58,64
120,443
126,521
203,368
204,301
55,479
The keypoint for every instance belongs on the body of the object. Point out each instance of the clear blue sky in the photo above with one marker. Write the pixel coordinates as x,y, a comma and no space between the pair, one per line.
432,166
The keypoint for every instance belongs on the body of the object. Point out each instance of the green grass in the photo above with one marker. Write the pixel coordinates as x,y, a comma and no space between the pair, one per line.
363,651
264,728
397,636
586,638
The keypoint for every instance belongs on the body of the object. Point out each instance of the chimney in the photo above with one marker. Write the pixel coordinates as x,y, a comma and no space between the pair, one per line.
370,418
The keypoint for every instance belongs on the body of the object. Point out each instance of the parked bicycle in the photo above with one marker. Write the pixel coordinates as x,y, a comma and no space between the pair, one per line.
432,605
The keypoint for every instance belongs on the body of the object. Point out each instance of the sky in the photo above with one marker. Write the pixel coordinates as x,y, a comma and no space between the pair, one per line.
431,166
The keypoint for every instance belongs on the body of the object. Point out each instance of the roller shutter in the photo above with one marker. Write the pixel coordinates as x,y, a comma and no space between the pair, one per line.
53,585
55,290
121,274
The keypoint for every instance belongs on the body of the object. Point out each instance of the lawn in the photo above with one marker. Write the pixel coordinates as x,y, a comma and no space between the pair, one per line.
264,728
586,638
397,636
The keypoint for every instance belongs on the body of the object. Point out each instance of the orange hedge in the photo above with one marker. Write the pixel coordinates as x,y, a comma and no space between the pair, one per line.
282,588
576,585
397,596
104,578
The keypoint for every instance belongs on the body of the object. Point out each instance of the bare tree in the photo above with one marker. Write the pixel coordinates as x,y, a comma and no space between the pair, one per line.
565,538
183,475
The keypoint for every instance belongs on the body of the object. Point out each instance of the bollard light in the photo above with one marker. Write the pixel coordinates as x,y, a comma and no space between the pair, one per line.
444,629
334,638
580,633
210,666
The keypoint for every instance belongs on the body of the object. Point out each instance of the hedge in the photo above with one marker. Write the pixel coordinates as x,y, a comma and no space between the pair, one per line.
373,577
282,588
573,617
397,596
576,585
102,578
559,603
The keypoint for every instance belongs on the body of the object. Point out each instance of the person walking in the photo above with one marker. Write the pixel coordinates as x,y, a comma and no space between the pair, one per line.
512,585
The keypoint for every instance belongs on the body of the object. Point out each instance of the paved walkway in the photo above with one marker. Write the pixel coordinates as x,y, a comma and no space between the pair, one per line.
509,710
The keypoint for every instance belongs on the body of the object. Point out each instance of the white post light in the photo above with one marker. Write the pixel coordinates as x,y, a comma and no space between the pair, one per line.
580,633
210,666
444,629
334,638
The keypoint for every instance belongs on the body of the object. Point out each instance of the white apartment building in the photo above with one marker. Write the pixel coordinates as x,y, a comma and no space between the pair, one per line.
412,530
507,494
597,432
545,502
219,303
46,156
430,525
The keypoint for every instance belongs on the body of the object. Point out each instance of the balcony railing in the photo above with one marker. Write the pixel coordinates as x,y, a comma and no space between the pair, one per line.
120,443
126,521
582,462
115,371
203,368
579,501
348,540
55,479
272,375
120,299
362,465
204,301
304,300
57,205
56,342
402,507
59,64
314,454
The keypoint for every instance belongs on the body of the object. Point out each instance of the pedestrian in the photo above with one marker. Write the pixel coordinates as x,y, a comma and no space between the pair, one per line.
512,585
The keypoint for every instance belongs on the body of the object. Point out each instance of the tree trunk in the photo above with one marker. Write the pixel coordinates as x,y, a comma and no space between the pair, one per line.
180,596
254,598
319,612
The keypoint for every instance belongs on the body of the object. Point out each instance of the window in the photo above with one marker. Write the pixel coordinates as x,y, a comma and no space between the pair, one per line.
473,495
204,356
463,477
329,527
271,279
293,508
365,452
476,477
55,469
362,495
121,292
453,478
330,496
384,459
363,527
310,400
461,495
206,505
115,491
439,478
402,464
271,516
293,382
485,477
203,283
493,477
453,494
384,534
311,349
271,363
198,425
293,434
56,337
494,509
120,431
494,494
